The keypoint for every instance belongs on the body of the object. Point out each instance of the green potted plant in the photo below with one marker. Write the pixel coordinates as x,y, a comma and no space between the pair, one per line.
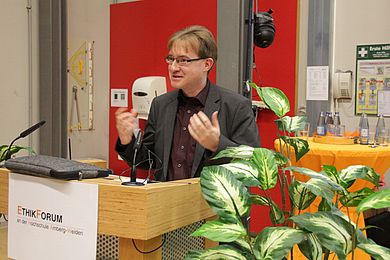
13,150
318,235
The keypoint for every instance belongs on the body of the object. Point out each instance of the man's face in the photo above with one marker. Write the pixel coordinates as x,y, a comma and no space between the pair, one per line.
189,77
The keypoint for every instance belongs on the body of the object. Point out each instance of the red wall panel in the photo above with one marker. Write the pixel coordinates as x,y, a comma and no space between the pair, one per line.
139,32
275,67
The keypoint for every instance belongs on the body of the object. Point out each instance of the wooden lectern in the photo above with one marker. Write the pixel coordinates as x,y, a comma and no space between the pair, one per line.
140,213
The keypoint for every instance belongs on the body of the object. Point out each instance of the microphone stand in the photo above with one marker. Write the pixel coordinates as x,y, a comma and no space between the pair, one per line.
133,175
246,89
8,152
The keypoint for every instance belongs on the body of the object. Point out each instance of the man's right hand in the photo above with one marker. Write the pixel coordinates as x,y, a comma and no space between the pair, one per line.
125,124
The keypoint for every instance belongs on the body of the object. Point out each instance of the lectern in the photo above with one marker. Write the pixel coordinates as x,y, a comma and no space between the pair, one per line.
140,213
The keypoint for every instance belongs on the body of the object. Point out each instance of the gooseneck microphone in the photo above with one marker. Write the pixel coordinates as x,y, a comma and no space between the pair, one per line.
22,135
133,174
31,129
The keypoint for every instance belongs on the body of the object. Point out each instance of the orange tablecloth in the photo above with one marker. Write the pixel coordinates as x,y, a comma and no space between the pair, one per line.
342,156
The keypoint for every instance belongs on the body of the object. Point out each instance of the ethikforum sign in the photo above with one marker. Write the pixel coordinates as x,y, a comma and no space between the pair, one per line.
51,219
39,214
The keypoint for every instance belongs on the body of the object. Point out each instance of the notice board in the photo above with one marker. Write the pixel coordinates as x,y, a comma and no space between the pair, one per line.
372,78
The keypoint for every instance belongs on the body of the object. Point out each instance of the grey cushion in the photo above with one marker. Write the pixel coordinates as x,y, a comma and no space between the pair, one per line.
55,167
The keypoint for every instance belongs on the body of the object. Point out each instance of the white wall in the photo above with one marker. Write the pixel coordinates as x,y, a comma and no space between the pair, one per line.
89,20
18,108
357,22
354,22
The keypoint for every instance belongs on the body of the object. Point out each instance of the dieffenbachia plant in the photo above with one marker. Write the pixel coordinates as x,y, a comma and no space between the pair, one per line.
226,188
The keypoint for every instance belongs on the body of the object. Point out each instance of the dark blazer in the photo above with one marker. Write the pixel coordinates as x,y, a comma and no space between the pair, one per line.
236,121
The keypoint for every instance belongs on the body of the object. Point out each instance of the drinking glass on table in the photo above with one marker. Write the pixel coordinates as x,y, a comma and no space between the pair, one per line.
304,132
340,130
383,137
331,129
371,139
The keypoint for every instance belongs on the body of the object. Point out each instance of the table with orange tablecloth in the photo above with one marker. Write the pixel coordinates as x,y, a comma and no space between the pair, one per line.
342,156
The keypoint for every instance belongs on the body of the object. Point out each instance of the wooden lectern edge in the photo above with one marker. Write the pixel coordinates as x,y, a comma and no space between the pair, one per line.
4,190
159,207
94,161
154,210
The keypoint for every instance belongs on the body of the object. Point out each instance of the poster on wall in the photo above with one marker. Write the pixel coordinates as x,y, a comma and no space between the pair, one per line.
372,77
317,83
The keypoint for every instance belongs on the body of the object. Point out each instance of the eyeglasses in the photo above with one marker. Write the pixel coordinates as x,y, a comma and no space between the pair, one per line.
181,61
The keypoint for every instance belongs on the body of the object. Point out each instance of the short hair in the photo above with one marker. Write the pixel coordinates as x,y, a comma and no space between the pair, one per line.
198,38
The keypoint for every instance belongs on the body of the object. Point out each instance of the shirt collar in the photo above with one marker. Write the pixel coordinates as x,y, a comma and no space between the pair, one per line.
201,97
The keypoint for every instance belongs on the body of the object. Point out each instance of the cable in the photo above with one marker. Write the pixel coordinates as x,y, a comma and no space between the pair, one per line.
151,162
141,162
128,169
151,251
3,215
150,168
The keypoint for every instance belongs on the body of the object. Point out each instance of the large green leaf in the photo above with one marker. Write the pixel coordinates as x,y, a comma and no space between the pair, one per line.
361,237
239,152
227,196
332,231
243,245
320,188
276,242
291,124
301,147
376,251
3,150
332,173
315,175
280,159
259,200
319,184
217,230
324,205
267,168
275,99
217,253
14,149
244,170
300,195
354,172
353,199
311,247
193,255
377,200
276,214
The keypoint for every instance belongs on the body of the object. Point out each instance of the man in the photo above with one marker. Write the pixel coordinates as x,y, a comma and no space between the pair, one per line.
188,126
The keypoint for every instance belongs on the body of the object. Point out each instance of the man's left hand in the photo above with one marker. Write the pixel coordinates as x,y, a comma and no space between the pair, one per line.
204,131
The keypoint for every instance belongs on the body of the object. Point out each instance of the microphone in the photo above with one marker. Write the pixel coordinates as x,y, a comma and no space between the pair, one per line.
133,174
31,129
22,135
138,140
